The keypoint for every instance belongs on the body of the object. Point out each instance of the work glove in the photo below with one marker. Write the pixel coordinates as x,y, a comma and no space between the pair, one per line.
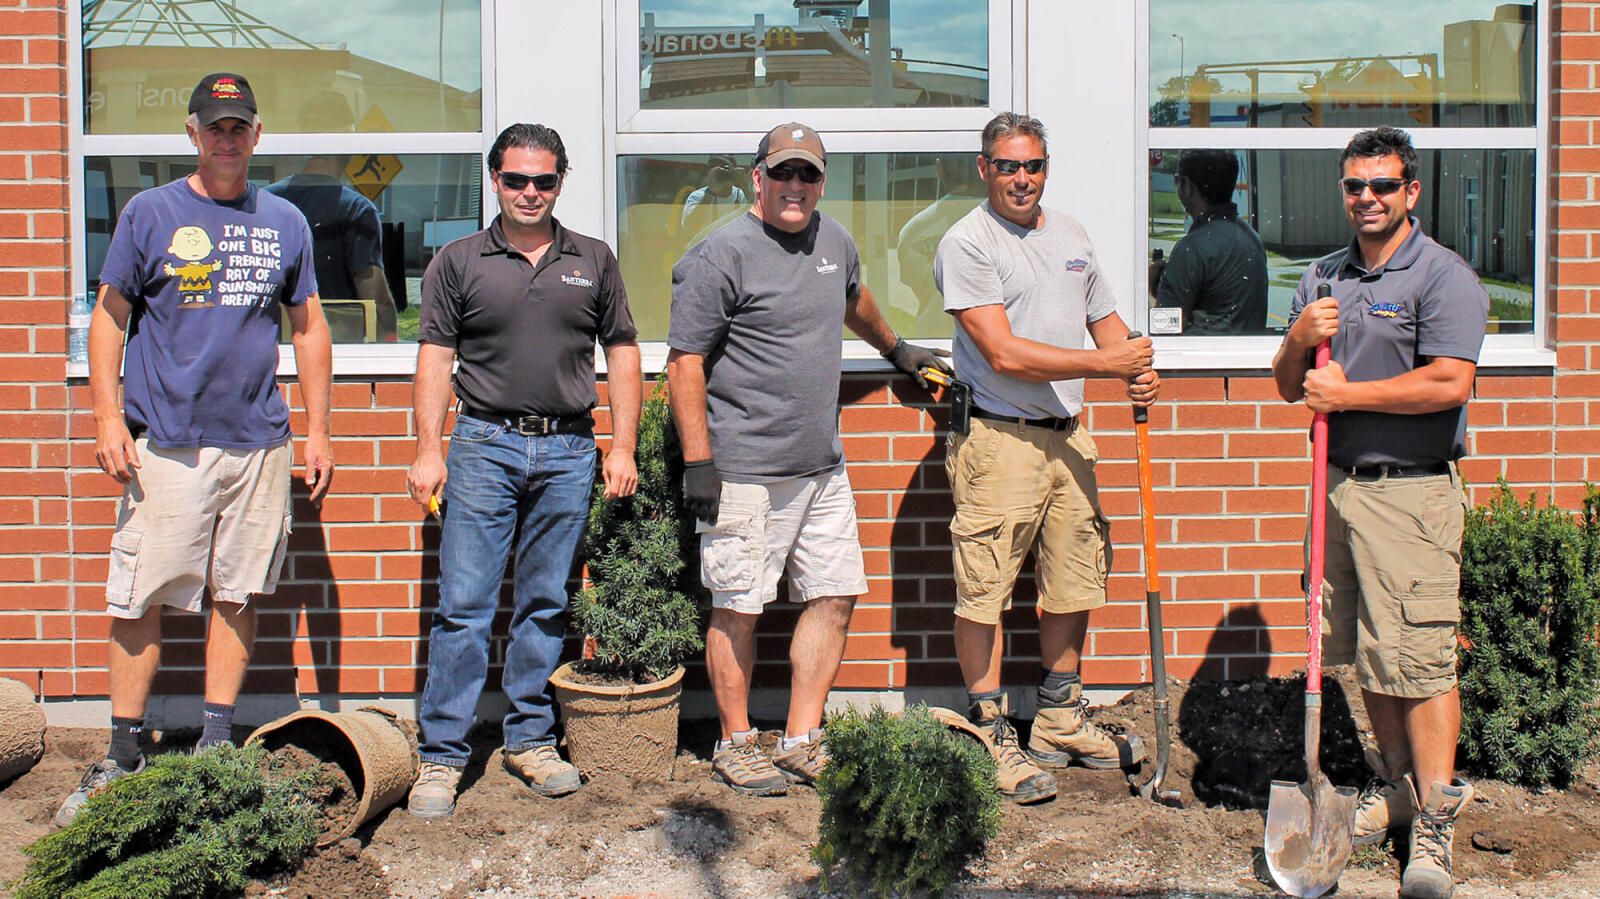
702,489
912,359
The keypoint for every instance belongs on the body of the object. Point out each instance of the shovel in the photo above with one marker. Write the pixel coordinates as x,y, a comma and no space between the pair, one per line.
1153,789
1308,838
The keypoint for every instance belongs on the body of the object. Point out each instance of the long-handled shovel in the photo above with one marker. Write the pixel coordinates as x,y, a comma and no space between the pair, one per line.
1153,789
1309,825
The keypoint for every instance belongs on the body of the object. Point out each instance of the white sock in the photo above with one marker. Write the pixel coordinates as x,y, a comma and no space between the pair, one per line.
748,735
791,742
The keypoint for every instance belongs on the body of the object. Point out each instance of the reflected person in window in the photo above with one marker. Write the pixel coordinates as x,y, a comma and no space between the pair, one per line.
1025,288
1217,274
1405,321
722,195
193,283
755,362
918,241
521,305
344,224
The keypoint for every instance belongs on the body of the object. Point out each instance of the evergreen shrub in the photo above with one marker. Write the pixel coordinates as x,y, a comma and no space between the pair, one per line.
1530,618
905,803
186,826
638,608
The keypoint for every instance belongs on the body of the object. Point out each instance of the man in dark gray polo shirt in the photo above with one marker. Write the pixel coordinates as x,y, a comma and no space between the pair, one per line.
1406,321
757,310
521,304
1217,273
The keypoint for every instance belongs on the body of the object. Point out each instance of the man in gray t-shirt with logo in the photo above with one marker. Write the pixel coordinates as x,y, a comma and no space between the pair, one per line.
1025,289
757,310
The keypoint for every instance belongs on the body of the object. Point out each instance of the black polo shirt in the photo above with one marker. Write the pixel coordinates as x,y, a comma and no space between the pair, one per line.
1425,301
525,334
1218,275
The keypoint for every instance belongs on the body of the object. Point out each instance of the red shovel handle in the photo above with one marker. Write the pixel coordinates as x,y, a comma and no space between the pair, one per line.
1318,534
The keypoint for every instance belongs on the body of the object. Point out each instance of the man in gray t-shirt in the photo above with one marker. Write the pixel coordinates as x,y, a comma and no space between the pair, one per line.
757,314
1025,289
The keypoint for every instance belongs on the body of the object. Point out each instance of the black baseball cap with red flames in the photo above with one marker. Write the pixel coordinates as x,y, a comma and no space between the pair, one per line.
222,95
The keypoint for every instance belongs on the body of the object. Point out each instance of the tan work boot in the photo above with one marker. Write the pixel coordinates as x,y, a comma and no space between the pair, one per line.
1429,868
745,768
1384,802
543,770
1019,779
434,792
1062,736
803,763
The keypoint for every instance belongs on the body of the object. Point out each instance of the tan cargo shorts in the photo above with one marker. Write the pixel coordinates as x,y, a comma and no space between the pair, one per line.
1019,488
1391,590
197,517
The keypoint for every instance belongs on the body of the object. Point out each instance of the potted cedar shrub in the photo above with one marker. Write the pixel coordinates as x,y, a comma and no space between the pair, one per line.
638,615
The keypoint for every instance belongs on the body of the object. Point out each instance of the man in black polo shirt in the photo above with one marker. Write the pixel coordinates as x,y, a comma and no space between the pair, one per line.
1406,321
521,304
1218,272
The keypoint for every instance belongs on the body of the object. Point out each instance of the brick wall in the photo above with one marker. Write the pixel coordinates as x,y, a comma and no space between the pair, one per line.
1231,463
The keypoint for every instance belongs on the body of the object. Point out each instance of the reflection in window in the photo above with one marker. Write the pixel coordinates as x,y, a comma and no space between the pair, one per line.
782,54
371,241
1478,203
1242,63
406,65
895,205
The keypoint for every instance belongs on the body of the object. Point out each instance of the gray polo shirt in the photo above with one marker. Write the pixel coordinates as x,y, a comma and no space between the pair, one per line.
525,334
1425,301
1218,276
766,309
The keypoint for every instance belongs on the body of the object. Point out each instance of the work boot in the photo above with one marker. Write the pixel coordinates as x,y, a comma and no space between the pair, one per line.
96,779
745,768
802,764
1019,779
1429,867
1384,802
433,794
1062,736
543,770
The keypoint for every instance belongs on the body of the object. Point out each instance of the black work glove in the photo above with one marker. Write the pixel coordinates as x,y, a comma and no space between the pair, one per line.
702,489
912,359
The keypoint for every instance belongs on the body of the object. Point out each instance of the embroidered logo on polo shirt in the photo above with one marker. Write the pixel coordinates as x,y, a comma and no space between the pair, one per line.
576,279
1385,310
827,268
1077,265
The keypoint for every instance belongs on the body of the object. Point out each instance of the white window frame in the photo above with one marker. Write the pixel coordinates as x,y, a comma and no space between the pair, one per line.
348,358
1253,352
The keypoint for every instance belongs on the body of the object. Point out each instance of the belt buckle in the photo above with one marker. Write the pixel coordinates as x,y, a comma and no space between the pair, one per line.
533,426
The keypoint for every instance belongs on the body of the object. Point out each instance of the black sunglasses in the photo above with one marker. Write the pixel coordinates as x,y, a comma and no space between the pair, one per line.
1381,187
1010,166
518,182
810,174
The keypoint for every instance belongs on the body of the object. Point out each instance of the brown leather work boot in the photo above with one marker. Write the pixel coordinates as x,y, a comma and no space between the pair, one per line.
543,770
1019,779
1384,802
1063,736
1430,866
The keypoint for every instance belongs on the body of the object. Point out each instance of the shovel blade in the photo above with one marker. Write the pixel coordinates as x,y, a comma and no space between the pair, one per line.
1308,838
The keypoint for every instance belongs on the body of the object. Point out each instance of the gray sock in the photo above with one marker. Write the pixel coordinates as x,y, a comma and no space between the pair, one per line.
1053,685
974,698
218,725
125,742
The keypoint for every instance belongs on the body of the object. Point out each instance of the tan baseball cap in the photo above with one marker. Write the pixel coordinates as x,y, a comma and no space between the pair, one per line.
792,141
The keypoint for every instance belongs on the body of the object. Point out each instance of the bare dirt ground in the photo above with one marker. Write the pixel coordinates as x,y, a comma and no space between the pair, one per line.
691,837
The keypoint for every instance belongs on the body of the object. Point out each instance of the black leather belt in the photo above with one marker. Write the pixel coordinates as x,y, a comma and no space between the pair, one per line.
1426,470
534,425
1068,424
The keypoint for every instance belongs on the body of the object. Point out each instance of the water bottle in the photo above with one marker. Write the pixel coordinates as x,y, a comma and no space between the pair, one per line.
78,315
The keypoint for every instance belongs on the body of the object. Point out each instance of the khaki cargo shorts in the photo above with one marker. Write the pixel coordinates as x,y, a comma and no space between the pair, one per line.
1019,488
1391,590
805,526
193,517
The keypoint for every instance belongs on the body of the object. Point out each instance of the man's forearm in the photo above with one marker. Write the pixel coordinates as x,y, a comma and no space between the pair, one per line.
687,376
624,390
313,361
864,319
105,365
430,396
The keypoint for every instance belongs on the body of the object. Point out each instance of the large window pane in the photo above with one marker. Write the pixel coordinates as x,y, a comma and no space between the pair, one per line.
404,65
369,281
1342,63
1479,203
895,205
719,54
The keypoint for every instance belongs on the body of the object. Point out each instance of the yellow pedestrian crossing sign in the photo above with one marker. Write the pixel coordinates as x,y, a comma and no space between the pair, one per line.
371,173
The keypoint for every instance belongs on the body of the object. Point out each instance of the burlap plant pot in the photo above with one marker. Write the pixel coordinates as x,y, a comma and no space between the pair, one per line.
630,730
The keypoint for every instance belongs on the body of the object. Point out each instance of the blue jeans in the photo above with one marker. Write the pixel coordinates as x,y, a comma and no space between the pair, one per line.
504,490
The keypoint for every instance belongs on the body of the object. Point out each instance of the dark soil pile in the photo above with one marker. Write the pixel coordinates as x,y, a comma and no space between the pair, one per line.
335,797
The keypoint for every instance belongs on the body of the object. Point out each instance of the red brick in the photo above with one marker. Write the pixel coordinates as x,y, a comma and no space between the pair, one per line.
1572,18
1215,586
1262,500
1492,386
1510,443
1220,416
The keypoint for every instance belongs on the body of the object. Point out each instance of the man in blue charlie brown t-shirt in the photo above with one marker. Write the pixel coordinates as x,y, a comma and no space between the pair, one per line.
194,281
